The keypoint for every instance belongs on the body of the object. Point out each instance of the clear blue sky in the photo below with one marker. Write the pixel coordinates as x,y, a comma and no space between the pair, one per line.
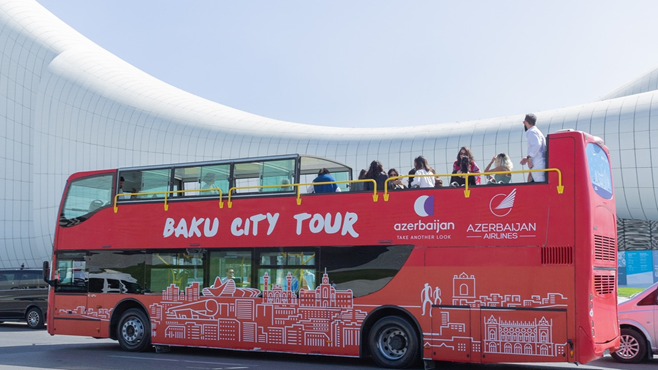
378,63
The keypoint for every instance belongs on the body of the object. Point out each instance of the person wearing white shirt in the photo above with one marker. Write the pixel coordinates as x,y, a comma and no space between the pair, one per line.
536,149
422,168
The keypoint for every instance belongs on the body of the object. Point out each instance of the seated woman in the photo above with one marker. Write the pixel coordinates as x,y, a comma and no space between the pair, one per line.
502,162
422,168
377,173
463,169
395,184
473,167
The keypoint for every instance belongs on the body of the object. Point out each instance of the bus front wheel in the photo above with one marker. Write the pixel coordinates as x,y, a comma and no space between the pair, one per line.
134,331
393,343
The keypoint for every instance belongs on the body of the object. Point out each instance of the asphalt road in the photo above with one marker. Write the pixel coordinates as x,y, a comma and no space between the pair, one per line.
25,349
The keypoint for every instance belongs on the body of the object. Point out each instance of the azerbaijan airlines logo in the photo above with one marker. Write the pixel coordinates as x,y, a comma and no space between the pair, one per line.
424,205
501,204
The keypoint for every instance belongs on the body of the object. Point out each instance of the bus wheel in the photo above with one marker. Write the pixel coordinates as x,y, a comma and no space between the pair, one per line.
633,347
34,318
393,343
134,331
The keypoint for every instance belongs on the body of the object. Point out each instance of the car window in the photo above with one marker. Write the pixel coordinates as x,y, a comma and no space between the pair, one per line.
649,300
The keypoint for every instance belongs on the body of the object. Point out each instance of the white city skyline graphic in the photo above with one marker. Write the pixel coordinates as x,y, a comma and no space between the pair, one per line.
502,332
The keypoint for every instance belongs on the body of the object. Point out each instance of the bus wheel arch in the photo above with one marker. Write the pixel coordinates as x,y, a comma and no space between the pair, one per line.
392,336
131,326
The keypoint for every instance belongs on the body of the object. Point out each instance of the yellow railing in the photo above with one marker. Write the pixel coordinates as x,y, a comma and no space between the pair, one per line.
166,196
298,186
467,191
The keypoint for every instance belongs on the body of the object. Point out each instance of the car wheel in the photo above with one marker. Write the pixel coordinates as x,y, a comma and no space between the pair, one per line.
633,347
393,343
34,318
134,331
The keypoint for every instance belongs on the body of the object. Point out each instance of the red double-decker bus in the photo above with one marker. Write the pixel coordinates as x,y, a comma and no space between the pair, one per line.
239,255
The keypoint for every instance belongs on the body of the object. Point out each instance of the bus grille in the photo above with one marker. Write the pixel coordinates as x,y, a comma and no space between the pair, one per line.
604,248
554,255
604,284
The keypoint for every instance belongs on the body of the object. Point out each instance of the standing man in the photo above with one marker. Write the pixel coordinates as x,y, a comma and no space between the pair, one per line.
536,149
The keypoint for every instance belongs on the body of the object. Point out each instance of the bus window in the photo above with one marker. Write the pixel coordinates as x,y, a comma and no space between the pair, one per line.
85,196
146,181
599,170
235,265
119,272
369,267
181,269
202,177
278,172
71,273
300,265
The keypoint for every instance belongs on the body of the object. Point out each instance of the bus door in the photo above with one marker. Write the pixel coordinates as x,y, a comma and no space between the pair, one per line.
70,310
451,339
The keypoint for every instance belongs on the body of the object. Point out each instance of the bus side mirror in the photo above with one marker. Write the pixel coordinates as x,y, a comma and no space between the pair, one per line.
46,274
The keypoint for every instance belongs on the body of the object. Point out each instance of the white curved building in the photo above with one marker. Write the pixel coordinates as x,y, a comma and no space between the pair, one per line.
67,105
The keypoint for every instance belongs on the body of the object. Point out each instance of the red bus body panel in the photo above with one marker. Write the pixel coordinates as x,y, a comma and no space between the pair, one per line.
484,283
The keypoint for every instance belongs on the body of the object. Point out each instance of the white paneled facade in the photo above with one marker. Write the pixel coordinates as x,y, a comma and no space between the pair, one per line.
66,105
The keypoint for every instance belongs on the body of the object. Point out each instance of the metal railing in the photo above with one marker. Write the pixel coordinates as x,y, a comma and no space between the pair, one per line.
375,196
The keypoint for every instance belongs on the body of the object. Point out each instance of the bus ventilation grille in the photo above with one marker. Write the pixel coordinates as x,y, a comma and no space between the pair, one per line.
604,248
553,255
604,284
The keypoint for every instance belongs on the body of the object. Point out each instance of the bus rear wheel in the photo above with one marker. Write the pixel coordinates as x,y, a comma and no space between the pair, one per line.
393,343
134,331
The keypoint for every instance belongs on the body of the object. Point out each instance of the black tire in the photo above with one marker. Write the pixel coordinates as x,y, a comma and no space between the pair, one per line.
393,343
34,318
633,347
134,331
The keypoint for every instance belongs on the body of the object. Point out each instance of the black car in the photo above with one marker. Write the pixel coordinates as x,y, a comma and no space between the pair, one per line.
23,296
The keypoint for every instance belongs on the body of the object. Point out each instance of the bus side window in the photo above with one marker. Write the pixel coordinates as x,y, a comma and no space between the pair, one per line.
233,265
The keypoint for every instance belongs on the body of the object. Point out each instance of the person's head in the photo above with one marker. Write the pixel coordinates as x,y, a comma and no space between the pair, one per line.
464,152
420,163
121,181
362,174
375,169
529,121
209,178
285,183
438,183
323,171
464,165
230,273
503,160
411,172
393,172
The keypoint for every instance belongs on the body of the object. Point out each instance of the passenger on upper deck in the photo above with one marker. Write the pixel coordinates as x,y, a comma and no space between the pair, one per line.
473,167
358,186
411,179
536,149
502,162
422,168
324,176
376,172
209,183
395,184
463,169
